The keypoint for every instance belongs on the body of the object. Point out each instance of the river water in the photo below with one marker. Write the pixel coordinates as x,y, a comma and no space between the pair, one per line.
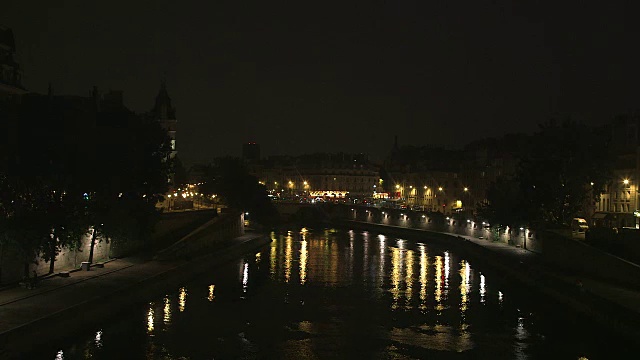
341,294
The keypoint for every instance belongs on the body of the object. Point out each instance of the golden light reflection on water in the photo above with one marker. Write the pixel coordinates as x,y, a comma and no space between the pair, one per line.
245,277
273,253
464,287
382,246
150,319
258,257
182,299
288,257
438,278
396,264
98,339
365,251
424,266
211,293
166,318
303,261
408,278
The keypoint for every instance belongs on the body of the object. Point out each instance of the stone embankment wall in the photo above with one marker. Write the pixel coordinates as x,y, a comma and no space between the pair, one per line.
171,227
201,240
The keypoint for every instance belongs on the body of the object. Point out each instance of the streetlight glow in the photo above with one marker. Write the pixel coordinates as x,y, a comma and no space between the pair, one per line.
626,181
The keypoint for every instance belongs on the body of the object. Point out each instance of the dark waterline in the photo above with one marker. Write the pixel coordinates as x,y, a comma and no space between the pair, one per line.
330,294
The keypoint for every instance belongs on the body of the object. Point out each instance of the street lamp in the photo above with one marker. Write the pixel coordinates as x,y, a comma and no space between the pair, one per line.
524,238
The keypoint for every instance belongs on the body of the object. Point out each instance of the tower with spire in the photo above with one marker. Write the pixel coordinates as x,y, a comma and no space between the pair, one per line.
165,114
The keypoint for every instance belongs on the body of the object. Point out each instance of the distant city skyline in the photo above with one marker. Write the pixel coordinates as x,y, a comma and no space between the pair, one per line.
301,79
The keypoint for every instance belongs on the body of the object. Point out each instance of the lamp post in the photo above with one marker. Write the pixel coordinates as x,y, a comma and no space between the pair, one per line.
468,199
524,238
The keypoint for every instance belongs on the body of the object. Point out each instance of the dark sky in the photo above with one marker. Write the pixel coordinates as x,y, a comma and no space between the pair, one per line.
309,77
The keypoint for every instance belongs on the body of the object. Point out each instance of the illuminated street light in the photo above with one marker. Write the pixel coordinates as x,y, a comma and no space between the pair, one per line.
626,181
305,183
425,187
440,188
466,189
397,186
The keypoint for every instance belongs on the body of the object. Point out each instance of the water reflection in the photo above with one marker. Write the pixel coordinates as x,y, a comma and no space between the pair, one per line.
465,269
287,257
273,258
424,264
402,301
166,319
182,299
98,339
396,264
439,280
303,261
150,319
245,277
408,279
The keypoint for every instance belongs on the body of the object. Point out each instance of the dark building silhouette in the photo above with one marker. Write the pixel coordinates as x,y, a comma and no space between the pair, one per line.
164,113
251,151
10,73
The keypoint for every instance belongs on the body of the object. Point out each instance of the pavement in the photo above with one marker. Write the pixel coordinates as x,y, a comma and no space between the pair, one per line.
21,308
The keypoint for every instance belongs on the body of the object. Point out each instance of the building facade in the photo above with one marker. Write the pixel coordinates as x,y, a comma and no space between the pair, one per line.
10,72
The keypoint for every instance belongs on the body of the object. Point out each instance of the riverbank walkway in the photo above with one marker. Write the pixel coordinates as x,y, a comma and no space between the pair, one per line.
21,307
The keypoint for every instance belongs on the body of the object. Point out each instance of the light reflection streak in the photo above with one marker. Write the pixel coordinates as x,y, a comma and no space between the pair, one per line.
60,355
464,287
395,276
211,295
482,288
258,257
500,297
166,318
382,247
303,261
150,319
365,251
273,259
98,339
182,299
438,278
408,279
424,263
288,257
245,277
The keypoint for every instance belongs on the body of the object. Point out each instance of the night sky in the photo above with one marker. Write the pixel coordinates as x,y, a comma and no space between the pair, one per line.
301,78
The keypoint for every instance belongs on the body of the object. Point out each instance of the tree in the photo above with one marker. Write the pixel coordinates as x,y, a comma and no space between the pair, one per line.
130,172
561,171
240,190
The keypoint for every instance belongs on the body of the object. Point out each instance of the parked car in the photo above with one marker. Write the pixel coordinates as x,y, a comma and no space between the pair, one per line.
579,225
